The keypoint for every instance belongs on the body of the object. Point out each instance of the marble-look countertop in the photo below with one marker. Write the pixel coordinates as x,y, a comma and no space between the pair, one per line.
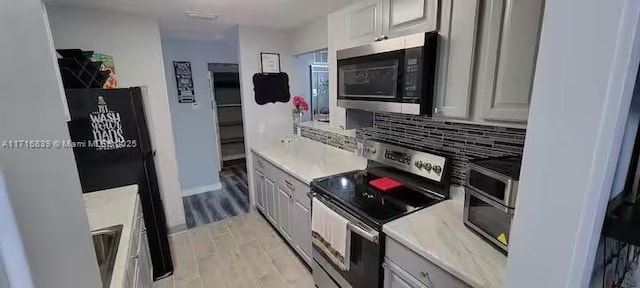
306,159
438,234
111,207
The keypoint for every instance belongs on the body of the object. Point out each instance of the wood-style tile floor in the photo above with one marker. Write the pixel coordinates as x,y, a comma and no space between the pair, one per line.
238,252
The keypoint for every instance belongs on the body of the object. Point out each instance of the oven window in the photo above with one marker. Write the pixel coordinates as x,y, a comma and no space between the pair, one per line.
489,219
487,184
377,80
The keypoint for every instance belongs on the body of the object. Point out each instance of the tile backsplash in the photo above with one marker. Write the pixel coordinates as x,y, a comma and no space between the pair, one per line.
459,141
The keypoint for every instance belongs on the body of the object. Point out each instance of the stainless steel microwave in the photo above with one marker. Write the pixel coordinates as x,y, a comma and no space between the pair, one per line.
394,75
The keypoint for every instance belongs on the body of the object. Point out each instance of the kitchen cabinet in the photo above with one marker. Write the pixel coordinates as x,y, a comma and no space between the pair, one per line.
139,267
363,22
270,195
258,179
286,205
404,268
301,229
508,56
284,219
405,17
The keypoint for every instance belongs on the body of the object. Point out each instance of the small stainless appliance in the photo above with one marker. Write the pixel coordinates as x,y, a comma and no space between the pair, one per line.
491,189
425,180
394,75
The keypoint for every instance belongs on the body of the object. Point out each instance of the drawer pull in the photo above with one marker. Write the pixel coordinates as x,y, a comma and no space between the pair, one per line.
143,231
135,257
425,275
290,185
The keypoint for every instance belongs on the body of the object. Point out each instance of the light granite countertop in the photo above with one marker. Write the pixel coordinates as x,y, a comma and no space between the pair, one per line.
438,234
111,207
306,159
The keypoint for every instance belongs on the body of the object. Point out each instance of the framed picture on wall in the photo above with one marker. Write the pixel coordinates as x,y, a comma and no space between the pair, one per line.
270,63
184,82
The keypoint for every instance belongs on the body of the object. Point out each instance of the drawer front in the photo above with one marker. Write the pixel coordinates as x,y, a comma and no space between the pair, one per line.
259,163
419,268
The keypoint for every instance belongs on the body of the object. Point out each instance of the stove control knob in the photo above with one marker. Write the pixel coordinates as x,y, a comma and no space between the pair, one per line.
437,169
372,150
419,164
427,167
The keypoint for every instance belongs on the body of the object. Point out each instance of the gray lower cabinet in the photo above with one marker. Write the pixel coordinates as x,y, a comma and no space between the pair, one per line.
284,219
258,179
270,195
285,202
301,229
405,268
139,266
395,277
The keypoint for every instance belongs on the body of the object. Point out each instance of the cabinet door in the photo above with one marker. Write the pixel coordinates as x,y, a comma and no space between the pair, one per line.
145,270
456,50
258,180
404,17
363,22
395,277
511,47
284,205
270,195
301,230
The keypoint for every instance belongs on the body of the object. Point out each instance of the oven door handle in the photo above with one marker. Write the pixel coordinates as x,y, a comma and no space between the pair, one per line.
371,237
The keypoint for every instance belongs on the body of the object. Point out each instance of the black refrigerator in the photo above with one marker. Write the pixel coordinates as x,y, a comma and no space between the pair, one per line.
112,149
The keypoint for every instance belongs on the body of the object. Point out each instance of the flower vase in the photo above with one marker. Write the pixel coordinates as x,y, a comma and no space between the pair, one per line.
296,122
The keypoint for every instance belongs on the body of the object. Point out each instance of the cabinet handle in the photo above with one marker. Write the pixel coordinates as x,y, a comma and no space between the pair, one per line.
135,257
143,231
140,217
425,275
290,185
383,37
376,39
438,111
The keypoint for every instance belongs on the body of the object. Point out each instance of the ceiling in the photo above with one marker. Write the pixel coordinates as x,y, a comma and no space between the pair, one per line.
281,14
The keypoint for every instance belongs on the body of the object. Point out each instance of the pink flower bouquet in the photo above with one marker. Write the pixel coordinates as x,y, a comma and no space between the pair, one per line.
300,105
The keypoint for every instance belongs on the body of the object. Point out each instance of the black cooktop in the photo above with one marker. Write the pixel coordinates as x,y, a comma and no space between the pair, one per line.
353,191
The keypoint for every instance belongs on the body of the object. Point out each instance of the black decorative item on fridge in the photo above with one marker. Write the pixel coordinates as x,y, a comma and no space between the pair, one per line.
78,71
121,154
271,88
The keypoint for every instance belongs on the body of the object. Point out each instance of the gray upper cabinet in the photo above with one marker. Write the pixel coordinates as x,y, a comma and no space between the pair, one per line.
456,47
404,17
363,22
507,62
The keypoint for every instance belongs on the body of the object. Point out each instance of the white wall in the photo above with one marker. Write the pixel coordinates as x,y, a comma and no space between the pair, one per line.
263,124
312,36
581,95
194,130
43,184
134,42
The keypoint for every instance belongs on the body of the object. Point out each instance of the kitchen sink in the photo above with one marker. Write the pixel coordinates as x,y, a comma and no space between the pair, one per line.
106,242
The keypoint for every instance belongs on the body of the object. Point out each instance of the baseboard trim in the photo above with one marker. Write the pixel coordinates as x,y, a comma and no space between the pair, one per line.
178,228
202,189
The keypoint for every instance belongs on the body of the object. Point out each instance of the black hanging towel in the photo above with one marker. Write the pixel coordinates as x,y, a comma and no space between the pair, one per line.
271,88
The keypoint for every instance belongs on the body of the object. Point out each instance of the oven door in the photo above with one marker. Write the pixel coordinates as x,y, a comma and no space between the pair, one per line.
366,257
488,218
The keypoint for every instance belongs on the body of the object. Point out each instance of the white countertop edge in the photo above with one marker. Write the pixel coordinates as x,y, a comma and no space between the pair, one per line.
429,256
281,167
119,273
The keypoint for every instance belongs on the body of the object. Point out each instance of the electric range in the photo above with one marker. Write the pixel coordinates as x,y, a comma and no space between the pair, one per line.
424,180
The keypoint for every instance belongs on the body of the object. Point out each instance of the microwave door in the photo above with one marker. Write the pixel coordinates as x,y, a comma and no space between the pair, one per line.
377,81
